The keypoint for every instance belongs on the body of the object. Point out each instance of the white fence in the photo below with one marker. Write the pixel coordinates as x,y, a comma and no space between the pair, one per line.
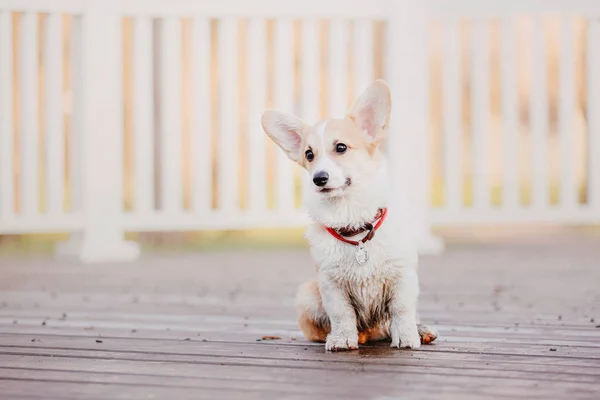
147,117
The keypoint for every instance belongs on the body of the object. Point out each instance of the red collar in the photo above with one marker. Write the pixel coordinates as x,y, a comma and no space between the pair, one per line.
339,234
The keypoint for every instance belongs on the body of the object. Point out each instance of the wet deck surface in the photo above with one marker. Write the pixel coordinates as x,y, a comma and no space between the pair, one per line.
517,319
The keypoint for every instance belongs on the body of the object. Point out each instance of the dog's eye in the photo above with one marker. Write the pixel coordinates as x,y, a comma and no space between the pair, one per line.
309,155
341,148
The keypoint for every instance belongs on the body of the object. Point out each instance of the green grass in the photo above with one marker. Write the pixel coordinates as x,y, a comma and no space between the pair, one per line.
258,239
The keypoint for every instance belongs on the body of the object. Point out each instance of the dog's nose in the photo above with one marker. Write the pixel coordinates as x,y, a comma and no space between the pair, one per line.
320,178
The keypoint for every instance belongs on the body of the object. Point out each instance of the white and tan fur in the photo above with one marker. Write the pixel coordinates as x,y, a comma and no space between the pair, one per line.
347,303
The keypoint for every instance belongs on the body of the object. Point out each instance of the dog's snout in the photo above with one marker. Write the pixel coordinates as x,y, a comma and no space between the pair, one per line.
320,178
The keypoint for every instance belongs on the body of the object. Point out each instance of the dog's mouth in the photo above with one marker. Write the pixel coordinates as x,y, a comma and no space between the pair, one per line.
346,184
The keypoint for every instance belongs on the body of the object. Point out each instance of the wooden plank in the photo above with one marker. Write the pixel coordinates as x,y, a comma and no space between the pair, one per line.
205,370
494,366
510,115
29,134
593,112
566,108
27,388
192,311
6,117
145,317
284,97
199,374
143,116
228,115
171,128
246,335
480,94
257,101
452,124
472,310
575,347
93,390
181,313
304,357
173,382
539,116
199,371
202,120
298,351
54,129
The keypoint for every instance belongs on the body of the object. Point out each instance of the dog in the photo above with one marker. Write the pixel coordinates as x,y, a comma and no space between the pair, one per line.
367,286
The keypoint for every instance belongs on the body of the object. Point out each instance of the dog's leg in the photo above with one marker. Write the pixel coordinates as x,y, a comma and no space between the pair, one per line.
312,319
403,310
344,333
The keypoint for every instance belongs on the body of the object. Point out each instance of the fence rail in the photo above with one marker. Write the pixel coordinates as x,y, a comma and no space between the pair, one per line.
138,115
308,9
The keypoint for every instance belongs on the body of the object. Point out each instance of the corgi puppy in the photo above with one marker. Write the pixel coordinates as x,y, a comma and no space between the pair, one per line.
366,287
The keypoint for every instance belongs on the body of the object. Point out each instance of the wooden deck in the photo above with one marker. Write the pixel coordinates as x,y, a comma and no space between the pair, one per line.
517,319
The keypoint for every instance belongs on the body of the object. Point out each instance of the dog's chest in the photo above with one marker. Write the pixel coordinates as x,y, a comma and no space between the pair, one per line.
371,301
338,259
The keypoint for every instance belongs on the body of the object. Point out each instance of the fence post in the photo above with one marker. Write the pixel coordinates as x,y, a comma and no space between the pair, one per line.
408,141
101,143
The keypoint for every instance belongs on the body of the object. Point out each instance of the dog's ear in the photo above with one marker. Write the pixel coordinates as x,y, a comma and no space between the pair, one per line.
371,112
286,131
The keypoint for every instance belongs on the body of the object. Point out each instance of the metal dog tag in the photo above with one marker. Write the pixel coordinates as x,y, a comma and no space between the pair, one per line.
361,255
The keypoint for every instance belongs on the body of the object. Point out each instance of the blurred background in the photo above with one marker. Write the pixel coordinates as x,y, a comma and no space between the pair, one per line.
512,114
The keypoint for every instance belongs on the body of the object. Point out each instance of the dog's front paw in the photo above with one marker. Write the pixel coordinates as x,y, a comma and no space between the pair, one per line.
405,335
337,342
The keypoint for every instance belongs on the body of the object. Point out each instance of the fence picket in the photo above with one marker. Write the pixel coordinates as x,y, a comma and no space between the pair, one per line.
257,96
54,129
338,69
480,93
310,82
452,117
202,159
228,115
539,117
29,135
75,142
6,116
284,92
593,113
566,106
510,115
363,55
171,116
143,120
